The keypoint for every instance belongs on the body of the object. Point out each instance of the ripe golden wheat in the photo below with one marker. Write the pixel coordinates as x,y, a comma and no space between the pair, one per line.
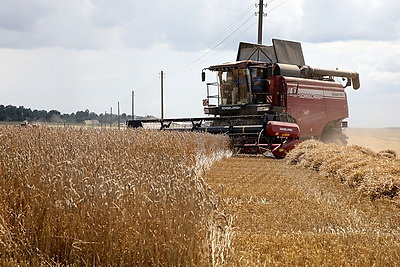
109,197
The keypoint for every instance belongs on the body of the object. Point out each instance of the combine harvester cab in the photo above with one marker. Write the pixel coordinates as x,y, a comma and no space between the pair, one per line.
269,100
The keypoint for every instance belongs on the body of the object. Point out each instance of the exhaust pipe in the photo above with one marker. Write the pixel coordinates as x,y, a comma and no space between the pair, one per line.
308,72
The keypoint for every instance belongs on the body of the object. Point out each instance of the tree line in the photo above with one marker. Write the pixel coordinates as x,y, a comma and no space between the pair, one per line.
13,113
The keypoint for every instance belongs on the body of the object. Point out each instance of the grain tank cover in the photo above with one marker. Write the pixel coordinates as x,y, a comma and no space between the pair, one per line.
282,51
256,52
288,52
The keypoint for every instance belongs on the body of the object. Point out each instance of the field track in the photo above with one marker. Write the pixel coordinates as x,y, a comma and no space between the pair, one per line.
376,139
286,215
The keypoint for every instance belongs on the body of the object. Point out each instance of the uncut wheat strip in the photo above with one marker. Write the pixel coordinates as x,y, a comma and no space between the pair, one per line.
73,190
78,163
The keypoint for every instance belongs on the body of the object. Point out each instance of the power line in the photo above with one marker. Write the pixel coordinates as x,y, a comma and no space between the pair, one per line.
277,5
233,40
231,26
148,86
205,49
210,48
240,35
213,48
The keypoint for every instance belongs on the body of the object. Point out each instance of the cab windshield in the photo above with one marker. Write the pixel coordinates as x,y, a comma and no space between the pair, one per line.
243,86
234,86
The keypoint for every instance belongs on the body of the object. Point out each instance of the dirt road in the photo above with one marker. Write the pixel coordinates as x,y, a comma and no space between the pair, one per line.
285,215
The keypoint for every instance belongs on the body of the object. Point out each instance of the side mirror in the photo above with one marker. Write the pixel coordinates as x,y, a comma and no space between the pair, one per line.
203,76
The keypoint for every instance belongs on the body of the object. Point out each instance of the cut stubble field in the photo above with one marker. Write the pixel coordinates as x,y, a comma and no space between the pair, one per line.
286,215
322,206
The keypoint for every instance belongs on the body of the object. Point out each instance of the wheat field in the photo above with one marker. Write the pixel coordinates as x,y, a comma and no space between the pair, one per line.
95,197
376,139
135,197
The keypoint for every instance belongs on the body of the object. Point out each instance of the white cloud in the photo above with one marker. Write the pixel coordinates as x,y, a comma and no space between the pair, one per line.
326,21
22,15
78,54
385,78
189,25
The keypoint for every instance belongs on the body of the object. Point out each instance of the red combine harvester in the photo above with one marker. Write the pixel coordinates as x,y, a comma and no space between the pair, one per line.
269,100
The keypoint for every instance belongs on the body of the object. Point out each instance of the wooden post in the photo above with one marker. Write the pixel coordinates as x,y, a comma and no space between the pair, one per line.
260,21
110,117
162,94
119,122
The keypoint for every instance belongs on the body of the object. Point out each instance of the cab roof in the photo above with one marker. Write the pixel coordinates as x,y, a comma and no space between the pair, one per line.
244,64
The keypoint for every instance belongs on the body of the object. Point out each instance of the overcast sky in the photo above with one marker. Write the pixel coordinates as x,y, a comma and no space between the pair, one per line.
89,54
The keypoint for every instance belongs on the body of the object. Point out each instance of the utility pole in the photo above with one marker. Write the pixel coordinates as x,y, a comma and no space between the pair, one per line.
260,20
119,122
162,94
133,105
110,117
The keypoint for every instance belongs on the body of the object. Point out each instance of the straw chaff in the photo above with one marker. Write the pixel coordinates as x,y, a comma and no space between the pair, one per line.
373,174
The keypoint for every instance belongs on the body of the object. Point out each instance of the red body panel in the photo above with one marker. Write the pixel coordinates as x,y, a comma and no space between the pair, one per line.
314,103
